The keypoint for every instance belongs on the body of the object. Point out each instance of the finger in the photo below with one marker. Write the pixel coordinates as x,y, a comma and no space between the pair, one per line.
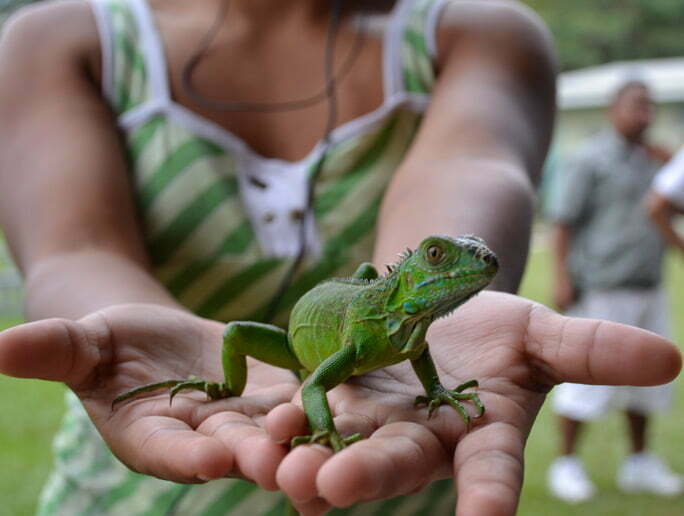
256,455
488,466
599,352
51,349
285,422
170,449
398,459
288,420
297,473
315,507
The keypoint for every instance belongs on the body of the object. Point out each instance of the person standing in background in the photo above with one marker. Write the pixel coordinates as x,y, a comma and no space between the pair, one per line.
666,199
608,261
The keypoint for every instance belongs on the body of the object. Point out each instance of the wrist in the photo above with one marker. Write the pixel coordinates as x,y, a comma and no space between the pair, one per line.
74,284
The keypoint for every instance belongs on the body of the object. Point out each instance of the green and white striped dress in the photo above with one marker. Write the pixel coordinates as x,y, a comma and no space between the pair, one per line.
221,228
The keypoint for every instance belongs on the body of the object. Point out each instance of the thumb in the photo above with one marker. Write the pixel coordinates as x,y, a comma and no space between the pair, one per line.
53,349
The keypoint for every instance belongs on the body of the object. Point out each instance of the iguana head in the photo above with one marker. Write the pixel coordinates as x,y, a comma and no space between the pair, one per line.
441,274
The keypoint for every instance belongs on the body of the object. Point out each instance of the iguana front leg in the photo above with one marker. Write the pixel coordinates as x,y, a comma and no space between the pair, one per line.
264,342
437,394
331,372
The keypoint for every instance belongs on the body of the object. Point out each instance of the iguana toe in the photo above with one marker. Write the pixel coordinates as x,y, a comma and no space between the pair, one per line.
213,390
326,438
190,384
453,397
145,388
467,385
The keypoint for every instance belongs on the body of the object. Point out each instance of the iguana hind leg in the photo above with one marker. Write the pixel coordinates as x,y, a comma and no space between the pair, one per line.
264,342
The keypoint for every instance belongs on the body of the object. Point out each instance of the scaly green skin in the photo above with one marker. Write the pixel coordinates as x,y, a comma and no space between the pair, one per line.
347,327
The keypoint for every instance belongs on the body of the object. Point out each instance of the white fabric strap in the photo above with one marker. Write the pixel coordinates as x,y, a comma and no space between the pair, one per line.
274,210
431,23
392,63
104,29
153,50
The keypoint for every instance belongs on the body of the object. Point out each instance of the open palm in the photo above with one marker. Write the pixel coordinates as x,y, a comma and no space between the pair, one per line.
516,349
125,346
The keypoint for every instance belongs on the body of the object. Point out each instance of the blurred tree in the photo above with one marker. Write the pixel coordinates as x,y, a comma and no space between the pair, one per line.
591,32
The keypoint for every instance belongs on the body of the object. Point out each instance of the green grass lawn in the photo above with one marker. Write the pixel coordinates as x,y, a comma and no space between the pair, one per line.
604,443
31,411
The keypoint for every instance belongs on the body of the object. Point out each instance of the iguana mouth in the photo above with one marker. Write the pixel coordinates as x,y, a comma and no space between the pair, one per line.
453,275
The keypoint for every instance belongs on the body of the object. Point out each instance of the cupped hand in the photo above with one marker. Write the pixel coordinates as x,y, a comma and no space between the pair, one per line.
125,346
518,350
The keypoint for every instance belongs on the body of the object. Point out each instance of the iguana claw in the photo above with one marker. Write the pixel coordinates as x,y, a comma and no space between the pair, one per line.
214,390
453,398
326,438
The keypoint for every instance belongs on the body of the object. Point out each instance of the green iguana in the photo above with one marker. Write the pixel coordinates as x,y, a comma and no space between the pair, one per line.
347,327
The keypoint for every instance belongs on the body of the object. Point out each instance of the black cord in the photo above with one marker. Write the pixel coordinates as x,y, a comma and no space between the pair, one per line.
263,107
331,94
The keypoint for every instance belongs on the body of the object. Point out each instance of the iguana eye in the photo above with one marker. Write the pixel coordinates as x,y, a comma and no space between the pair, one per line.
435,254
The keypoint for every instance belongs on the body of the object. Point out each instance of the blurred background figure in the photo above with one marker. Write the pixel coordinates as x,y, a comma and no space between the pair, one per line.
607,264
666,199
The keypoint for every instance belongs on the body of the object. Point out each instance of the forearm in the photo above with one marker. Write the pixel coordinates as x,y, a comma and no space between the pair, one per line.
491,198
483,140
661,213
671,237
76,283
560,243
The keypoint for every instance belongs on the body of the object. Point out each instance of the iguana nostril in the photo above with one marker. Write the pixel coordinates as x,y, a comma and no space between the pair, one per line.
491,259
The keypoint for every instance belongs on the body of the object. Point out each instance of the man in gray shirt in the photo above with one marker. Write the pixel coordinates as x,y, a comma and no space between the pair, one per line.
607,264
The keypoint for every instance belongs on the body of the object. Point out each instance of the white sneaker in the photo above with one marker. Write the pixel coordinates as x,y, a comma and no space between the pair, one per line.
646,473
568,481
